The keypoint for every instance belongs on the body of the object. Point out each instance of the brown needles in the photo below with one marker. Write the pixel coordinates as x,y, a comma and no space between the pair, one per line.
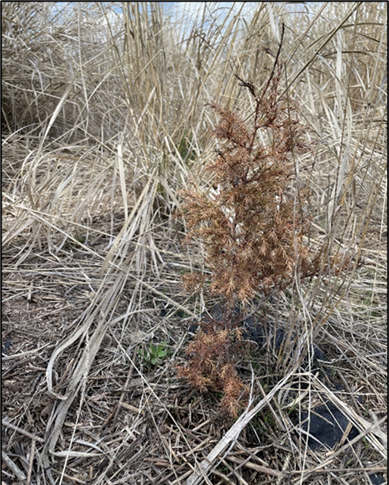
251,226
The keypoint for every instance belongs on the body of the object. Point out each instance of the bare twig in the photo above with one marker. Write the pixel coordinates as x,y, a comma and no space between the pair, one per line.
11,465
21,431
30,463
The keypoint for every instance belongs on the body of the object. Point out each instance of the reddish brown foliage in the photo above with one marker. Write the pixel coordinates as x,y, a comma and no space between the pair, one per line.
252,226
212,358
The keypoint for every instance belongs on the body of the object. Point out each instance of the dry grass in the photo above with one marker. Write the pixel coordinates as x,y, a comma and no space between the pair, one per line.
104,121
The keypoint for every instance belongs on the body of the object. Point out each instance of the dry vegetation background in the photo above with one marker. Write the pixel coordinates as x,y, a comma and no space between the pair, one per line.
103,122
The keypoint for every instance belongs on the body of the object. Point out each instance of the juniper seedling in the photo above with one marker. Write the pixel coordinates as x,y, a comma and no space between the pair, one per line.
252,228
